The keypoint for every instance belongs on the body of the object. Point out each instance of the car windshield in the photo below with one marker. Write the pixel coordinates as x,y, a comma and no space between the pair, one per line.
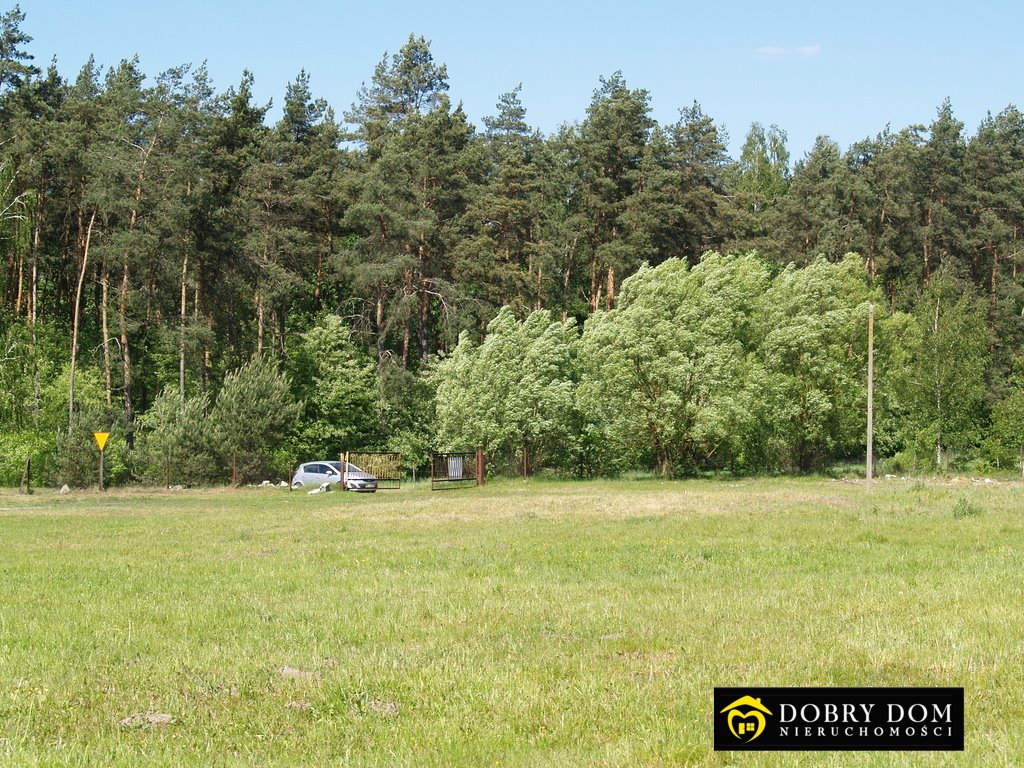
335,464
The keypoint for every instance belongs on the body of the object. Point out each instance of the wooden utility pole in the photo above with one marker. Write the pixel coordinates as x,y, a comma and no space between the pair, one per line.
871,392
26,477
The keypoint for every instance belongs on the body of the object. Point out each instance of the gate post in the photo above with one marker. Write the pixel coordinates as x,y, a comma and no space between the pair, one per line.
480,479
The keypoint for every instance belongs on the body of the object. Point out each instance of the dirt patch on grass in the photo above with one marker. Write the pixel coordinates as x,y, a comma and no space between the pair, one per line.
294,674
148,720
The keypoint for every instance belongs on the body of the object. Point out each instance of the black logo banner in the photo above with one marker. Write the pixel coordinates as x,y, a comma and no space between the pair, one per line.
839,718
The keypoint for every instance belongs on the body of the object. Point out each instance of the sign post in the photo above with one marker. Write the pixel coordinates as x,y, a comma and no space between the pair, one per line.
101,441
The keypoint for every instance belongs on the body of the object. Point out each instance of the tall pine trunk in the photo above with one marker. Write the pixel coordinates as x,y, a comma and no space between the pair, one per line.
122,312
182,318
570,259
108,379
75,320
259,324
424,320
37,239
379,322
126,357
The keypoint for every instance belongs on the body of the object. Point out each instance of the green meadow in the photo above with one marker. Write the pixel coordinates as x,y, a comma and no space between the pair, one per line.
520,624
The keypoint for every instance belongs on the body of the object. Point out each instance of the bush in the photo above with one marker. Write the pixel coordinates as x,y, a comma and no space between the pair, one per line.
18,446
964,508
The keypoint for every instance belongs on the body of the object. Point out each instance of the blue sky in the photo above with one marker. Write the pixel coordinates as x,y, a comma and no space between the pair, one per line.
841,69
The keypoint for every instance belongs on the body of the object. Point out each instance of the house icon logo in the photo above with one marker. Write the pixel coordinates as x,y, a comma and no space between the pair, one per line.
746,718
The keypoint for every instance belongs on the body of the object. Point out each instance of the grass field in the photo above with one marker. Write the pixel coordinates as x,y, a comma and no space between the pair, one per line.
537,624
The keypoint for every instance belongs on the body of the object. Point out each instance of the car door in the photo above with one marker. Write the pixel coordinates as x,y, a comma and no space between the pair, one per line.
325,473
306,475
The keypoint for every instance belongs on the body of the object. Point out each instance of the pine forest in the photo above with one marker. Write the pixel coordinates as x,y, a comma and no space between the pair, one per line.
228,294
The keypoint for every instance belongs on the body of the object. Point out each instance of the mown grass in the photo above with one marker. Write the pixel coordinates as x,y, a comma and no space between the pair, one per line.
541,623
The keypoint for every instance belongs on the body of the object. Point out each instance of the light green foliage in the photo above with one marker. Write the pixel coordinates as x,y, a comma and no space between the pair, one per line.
175,445
759,181
75,454
812,325
338,385
252,415
944,386
665,374
16,376
15,448
896,343
1005,440
34,413
514,394
764,166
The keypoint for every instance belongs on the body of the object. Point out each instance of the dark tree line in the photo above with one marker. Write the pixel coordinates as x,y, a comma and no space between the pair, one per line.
157,236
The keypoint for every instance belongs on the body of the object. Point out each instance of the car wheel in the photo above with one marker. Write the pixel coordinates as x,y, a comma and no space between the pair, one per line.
297,484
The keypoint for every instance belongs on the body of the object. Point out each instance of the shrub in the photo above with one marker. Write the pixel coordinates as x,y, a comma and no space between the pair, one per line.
964,508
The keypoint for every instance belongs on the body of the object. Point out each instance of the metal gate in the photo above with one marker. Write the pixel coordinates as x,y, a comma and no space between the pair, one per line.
384,468
456,470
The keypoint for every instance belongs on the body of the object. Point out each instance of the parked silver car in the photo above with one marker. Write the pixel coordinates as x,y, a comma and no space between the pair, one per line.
319,472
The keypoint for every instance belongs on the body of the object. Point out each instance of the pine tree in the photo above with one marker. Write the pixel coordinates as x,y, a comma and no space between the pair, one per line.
814,217
251,417
939,177
14,69
688,197
500,259
410,83
609,150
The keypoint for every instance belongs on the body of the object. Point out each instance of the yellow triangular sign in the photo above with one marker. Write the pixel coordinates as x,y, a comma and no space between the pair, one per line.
101,439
